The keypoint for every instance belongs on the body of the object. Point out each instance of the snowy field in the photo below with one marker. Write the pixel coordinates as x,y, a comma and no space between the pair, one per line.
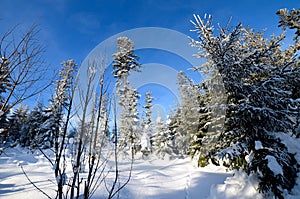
151,179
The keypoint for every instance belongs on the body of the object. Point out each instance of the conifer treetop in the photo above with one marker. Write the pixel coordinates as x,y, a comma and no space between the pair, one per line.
125,59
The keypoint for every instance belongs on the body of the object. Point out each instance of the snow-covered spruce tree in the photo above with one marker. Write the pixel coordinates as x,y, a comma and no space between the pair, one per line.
5,83
147,107
261,102
171,127
187,115
124,61
16,122
290,19
199,147
129,136
210,101
147,126
4,78
58,104
32,127
162,139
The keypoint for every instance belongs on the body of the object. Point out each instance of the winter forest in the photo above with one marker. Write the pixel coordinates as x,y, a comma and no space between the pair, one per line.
240,126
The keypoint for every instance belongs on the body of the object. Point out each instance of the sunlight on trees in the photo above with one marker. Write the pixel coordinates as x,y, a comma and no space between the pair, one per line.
234,118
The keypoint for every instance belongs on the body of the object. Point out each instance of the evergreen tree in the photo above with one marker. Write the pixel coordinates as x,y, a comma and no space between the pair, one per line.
4,77
124,61
32,127
129,136
145,139
162,139
54,113
262,102
147,126
187,115
22,71
148,107
290,19
16,122
199,146
5,83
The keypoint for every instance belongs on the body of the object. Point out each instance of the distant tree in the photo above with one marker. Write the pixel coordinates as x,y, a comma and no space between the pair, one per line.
162,139
148,105
32,127
187,115
16,122
147,126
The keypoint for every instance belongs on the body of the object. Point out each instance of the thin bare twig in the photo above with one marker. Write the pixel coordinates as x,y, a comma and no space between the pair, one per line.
34,183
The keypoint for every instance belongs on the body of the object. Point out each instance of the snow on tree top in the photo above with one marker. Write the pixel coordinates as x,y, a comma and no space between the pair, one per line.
258,145
274,165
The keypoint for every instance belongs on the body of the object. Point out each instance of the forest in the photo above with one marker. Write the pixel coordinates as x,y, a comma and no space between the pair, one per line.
238,117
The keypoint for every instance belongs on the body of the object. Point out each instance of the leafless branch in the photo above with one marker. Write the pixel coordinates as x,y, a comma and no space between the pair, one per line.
26,69
34,183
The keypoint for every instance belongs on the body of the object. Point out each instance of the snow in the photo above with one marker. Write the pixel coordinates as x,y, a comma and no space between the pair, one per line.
145,142
274,165
258,145
238,186
152,178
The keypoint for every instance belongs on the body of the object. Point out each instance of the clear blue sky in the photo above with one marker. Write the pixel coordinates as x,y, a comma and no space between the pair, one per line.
71,29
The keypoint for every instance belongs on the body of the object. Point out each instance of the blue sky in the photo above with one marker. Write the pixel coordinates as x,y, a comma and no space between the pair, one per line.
72,29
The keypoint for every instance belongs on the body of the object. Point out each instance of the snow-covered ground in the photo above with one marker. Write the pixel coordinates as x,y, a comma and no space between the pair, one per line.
152,178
